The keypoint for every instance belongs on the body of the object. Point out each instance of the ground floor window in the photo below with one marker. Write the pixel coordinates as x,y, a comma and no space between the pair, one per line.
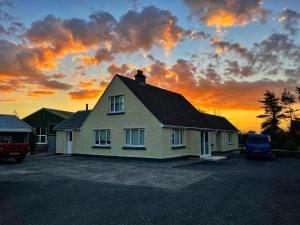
134,137
230,138
103,137
177,137
41,135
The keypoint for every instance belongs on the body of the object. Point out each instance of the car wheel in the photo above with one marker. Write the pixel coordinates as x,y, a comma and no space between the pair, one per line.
248,157
20,159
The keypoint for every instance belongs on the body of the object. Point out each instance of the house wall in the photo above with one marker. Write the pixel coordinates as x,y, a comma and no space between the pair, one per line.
136,116
225,146
61,142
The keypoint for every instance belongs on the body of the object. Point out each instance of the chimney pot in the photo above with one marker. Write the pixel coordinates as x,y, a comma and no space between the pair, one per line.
140,77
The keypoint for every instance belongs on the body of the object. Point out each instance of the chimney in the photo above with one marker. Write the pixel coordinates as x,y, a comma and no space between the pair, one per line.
140,77
86,107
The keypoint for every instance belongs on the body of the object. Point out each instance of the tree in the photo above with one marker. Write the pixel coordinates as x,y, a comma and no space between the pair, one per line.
298,92
272,114
287,100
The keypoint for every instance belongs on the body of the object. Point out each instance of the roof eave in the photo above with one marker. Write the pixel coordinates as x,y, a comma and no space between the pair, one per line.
194,128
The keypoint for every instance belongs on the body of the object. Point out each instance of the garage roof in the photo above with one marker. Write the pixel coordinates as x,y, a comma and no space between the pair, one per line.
11,123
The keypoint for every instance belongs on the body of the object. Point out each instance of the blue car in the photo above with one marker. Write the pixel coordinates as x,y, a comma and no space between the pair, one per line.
258,145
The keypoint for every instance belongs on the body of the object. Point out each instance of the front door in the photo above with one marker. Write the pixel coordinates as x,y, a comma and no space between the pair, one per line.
204,144
70,142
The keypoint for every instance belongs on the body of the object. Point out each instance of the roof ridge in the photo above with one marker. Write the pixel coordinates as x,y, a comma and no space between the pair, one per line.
153,86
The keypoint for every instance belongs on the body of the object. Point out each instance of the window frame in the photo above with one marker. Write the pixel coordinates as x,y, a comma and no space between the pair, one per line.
180,137
138,137
230,138
99,137
112,102
39,136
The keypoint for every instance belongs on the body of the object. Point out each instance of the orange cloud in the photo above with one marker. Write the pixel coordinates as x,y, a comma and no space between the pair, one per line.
227,13
87,84
85,94
40,93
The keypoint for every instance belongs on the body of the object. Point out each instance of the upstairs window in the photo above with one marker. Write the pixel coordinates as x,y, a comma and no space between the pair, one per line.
177,137
134,137
117,104
102,137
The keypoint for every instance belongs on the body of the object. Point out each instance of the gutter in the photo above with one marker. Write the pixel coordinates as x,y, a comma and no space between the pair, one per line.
193,128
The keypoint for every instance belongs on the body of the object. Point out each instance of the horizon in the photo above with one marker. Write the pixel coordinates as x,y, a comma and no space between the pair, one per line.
222,57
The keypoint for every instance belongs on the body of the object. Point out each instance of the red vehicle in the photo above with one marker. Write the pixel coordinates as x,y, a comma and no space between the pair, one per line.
14,146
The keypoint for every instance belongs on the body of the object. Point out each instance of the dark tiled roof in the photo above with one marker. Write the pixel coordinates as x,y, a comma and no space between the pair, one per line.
173,109
11,123
61,113
73,122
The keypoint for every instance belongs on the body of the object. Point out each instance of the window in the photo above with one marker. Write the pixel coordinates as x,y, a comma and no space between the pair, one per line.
117,104
177,137
134,137
41,134
102,137
230,138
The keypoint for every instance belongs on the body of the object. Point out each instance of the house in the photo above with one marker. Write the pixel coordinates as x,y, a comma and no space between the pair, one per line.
43,121
135,119
13,129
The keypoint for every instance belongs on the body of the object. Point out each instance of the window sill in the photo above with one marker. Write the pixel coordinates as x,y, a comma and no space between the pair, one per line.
230,143
101,146
133,148
115,113
39,143
178,147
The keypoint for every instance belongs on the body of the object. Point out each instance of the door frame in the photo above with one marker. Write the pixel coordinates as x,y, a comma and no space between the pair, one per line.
70,137
205,149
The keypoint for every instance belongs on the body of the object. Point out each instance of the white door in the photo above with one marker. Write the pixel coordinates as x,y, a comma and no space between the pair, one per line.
204,144
70,141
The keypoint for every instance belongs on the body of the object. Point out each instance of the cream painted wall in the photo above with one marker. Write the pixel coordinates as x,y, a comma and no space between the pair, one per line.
136,116
224,141
61,142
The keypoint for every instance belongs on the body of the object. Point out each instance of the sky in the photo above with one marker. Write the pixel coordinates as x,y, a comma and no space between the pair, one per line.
222,55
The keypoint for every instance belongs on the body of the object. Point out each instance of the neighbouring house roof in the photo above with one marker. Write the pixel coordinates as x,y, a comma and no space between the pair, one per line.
61,113
11,123
172,109
73,122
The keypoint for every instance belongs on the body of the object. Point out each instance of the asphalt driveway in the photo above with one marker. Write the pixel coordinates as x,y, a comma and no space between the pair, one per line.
78,190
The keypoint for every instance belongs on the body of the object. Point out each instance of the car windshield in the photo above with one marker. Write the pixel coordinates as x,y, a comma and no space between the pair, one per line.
258,140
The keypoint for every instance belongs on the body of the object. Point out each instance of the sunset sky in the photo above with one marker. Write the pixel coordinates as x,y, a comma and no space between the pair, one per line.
221,55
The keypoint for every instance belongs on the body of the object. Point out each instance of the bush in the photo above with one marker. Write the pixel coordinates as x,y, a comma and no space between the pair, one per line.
291,146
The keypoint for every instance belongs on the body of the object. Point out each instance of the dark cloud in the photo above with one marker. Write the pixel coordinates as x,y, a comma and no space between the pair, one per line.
289,19
235,69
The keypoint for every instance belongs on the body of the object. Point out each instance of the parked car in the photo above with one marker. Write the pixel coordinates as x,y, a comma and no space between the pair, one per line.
12,148
258,145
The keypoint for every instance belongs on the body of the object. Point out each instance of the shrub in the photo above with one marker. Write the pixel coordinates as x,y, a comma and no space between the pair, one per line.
291,145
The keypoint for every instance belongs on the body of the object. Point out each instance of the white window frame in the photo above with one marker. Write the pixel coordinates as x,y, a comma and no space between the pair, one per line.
98,131
39,136
180,137
112,101
130,137
230,142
